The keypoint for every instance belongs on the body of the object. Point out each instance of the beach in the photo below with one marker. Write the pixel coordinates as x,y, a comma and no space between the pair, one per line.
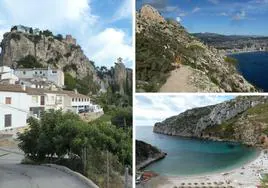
246,176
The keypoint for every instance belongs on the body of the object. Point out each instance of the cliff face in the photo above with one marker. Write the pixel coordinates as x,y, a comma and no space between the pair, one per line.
47,50
243,119
146,154
62,53
164,44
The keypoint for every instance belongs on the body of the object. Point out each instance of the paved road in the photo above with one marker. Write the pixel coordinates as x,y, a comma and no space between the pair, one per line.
15,175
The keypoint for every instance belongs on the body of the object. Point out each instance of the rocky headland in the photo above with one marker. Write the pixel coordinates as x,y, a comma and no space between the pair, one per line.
146,154
243,119
164,45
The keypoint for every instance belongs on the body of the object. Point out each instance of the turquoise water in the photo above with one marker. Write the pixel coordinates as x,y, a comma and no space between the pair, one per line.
193,156
254,67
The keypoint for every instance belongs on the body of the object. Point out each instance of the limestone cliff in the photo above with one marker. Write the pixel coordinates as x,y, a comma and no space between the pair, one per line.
243,119
47,50
163,45
59,52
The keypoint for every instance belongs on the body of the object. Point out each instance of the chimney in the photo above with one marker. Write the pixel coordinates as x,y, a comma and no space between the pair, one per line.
75,90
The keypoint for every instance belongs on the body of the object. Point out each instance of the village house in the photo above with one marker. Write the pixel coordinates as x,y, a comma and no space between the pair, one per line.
14,106
7,75
55,76
18,102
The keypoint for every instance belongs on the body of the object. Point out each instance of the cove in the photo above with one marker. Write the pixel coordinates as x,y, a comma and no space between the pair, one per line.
187,156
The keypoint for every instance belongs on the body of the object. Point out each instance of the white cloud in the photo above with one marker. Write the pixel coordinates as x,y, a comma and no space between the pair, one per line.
214,1
110,44
47,14
178,19
239,16
223,14
124,11
73,17
182,14
163,106
196,9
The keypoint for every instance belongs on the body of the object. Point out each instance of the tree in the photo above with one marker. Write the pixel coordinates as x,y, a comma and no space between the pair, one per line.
31,30
29,61
59,37
70,82
47,33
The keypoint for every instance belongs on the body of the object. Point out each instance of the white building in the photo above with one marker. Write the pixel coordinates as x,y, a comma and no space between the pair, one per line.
14,106
7,75
46,74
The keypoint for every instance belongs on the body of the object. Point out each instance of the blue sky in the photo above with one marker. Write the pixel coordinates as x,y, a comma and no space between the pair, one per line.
102,27
240,17
150,109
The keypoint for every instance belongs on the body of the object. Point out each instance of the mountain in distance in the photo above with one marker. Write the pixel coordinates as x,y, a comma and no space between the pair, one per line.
164,47
220,41
25,47
243,119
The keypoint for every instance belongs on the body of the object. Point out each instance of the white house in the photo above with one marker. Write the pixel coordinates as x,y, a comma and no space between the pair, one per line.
53,75
14,106
7,75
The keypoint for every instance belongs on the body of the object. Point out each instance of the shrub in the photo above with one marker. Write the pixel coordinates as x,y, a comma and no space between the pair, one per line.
29,61
230,60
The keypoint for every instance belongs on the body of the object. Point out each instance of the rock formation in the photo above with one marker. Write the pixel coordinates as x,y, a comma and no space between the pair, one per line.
147,154
162,44
62,53
242,119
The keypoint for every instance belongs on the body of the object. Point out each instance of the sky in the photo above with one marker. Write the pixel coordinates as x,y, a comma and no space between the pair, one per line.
103,28
238,17
150,109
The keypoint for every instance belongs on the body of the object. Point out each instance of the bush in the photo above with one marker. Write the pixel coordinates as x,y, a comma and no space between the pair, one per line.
70,82
59,37
29,61
230,60
15,36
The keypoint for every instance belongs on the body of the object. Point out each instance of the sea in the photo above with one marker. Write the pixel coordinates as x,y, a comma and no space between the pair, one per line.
254,67
186,156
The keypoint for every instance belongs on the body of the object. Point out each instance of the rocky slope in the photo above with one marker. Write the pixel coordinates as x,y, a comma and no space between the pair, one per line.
147,154
243,119
59,52
163,44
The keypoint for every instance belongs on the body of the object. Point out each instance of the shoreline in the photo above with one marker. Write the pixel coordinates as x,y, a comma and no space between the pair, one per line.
243,52
245,176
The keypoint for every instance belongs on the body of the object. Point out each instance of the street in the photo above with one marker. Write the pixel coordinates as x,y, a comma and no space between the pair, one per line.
14,175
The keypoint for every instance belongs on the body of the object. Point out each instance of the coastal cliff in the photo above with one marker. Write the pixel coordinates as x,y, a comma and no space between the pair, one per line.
147,154
163,45
243,119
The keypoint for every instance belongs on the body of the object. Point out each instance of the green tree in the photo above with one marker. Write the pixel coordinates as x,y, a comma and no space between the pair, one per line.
70,82
29,61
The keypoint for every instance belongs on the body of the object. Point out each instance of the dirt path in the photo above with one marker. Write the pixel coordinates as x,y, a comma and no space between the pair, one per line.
179,81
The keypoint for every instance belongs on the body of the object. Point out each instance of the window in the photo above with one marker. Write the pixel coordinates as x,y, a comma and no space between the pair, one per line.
54,72
40,72
73,99
8,100
8,120
24,72
34,99
79,99
35,72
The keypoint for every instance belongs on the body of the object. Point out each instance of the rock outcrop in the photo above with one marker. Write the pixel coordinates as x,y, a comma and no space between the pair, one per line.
163,44
147,154
47,50
63,53
243,119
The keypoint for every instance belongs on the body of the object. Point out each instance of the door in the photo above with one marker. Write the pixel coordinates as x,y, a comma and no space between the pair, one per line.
42,100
